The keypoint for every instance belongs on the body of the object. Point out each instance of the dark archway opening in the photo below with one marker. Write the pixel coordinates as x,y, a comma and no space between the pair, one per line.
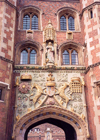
70,133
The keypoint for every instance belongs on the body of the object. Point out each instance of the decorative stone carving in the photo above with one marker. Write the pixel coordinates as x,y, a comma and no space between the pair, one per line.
38,94
78,108
83,82
62,77
82,116
39,77
26,76
24,87
50,80
17,117
76,97
49,32
54,90
50,54
50,101
29,110
17,81
62,94
75,85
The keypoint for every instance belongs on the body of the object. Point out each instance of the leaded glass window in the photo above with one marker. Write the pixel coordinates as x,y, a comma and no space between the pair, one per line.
74,57
26,22
66,57
71,24
24,57
30,21
34,22
63,23
33,57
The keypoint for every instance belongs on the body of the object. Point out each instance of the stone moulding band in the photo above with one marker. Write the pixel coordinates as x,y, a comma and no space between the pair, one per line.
9,3
45,68
92,66
7,60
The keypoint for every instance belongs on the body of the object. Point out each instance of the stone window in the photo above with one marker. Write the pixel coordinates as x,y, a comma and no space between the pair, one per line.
67,23
29,18
68,19
28,56
30,21
70,57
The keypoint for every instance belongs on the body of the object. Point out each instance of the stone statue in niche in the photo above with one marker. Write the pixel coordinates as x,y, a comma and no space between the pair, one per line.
50,53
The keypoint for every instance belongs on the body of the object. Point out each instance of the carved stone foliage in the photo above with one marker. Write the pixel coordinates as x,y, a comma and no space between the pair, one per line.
49,89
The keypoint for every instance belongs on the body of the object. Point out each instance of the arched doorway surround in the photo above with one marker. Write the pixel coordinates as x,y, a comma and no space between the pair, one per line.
53,112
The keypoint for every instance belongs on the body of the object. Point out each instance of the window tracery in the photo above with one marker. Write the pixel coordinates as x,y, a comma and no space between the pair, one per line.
28,57
70,57
29,18
30,21
68,19
67,23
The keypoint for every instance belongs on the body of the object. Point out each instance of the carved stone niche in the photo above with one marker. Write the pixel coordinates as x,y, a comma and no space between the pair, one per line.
49,32
50,46
69,35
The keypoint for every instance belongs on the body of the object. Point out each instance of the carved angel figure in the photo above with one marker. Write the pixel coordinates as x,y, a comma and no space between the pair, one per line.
62,94
38,94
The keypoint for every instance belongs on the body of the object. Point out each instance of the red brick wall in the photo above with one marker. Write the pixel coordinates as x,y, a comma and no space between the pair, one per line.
7,26
50,10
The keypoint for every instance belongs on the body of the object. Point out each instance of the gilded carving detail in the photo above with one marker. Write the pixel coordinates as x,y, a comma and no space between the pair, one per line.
62,94
49,32
26,76
17,81
38,94
75,85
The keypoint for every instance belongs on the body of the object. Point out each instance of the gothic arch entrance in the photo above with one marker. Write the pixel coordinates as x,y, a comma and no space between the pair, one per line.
70,133
69,121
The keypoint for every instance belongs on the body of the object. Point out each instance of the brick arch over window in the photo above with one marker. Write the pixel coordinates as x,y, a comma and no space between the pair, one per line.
28,52
71,53
29,18
68,19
